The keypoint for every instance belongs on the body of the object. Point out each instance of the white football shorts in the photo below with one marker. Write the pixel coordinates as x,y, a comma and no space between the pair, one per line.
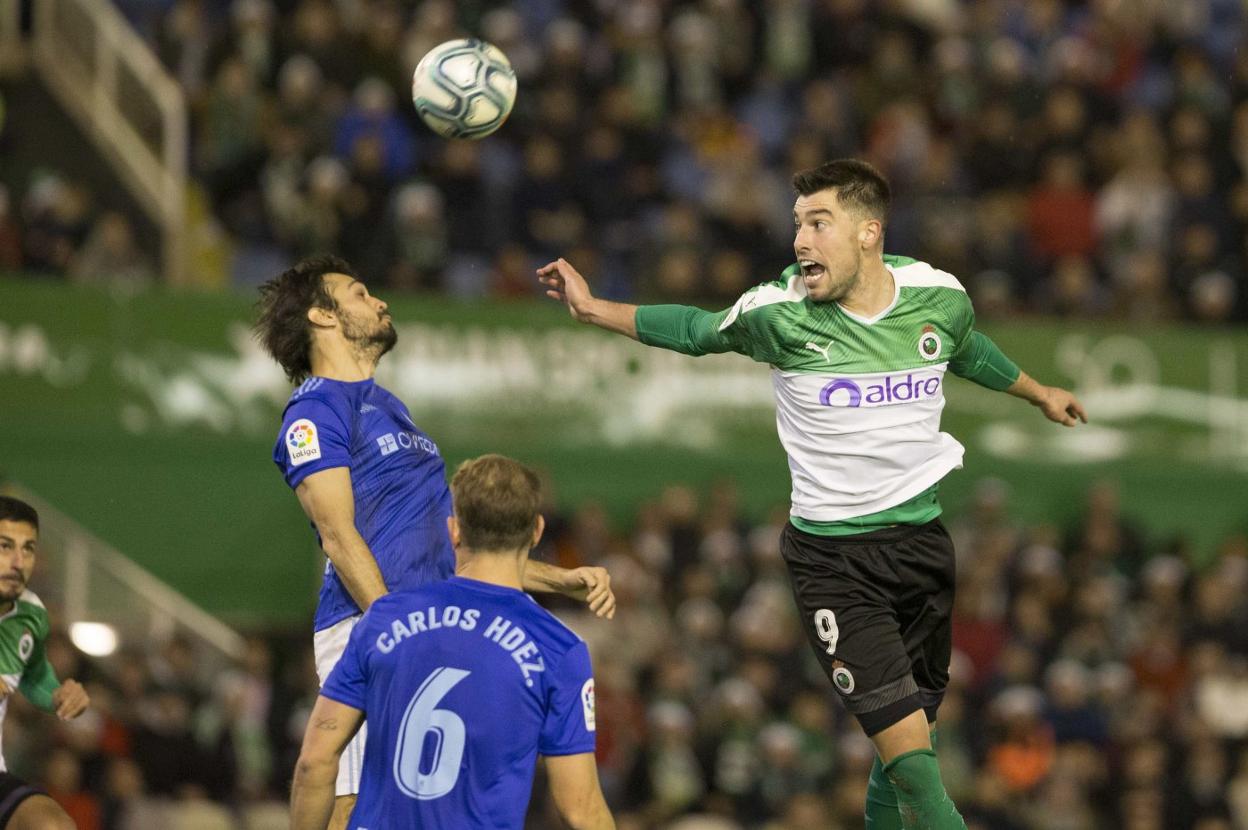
327,647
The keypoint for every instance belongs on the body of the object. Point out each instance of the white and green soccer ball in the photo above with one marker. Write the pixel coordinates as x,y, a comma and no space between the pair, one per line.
464,88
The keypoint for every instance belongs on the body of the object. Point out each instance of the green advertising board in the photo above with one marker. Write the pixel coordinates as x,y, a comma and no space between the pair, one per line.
150,418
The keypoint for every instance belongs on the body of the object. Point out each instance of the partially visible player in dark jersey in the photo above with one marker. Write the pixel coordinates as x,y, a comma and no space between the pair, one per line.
371,482
464,683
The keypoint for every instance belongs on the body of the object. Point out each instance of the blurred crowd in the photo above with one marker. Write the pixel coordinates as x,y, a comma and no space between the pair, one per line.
1083,158
1098,680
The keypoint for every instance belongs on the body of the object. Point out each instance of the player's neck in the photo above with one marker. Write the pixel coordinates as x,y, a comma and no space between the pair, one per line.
504,568
875,289
7,606
338,361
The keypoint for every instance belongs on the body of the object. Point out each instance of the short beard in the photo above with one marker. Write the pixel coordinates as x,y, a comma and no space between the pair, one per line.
17,593
370,345
851,282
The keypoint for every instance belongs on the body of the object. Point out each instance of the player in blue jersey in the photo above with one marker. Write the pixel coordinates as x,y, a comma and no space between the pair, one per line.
464,683
372,483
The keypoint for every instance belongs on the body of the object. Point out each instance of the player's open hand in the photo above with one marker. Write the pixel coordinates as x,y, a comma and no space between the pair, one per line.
593,586
1061,406
70,700
565,284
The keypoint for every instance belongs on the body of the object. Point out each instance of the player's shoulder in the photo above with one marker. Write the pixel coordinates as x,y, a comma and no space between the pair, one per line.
313,388
32,606
913,273
552,632
769,297
789,288
316,395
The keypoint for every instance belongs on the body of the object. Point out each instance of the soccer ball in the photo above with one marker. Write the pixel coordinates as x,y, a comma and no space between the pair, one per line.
464,88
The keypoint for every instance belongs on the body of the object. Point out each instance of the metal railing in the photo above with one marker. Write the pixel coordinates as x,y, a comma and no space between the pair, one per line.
83,579
107,78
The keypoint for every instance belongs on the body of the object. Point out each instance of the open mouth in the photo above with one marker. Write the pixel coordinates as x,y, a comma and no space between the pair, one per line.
811,270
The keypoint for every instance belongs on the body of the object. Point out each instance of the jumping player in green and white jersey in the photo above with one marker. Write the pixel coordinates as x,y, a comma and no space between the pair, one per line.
24,666
859,344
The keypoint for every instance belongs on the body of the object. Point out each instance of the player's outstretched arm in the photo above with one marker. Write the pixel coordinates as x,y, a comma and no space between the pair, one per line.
565,284
591,585
982,361
577,793
1057,404
327,499
330,726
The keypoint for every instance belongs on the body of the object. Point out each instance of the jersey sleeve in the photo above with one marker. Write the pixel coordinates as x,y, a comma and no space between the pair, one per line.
569,727
977,358
691,331
348,680
39,680
688,330
314,437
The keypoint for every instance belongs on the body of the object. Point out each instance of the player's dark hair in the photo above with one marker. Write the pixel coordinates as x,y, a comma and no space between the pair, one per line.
282,325
859,186
496,501
16,510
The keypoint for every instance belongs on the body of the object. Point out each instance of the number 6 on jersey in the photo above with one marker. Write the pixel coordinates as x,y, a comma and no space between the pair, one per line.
825,628
422,718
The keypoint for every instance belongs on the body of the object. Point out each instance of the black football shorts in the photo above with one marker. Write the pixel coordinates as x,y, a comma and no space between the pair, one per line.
877,609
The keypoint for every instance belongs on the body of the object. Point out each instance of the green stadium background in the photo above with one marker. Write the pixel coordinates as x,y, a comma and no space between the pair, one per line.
150,418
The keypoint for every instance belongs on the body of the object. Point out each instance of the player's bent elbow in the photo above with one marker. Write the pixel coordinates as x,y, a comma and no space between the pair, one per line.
589,813
315,768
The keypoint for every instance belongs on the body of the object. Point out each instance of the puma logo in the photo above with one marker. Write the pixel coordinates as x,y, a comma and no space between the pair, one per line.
824,351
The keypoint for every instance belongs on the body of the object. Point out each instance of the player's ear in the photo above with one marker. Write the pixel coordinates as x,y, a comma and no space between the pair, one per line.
322,317
869,232
452,529
538,529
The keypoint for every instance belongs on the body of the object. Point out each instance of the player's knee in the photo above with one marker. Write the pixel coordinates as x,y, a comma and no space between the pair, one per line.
40,813
915,775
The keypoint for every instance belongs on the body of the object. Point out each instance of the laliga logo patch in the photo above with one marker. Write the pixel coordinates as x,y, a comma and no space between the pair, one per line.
303,442
25,646
929,343
843,680
588,705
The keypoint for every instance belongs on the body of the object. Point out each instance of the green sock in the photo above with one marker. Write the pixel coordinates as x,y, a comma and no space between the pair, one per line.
882,798
881,801
922,802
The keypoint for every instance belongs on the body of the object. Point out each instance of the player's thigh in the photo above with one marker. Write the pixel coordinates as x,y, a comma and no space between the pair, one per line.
39,812
926,564
845,611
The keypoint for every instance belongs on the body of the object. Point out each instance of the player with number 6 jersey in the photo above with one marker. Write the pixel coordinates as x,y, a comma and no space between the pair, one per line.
372,484
464,683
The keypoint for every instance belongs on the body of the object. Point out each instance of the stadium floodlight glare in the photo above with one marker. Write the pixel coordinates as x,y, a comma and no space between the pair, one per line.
94,638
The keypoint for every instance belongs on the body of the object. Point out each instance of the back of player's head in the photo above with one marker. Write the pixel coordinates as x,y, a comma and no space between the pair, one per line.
859,186
496,502
16,510
282,325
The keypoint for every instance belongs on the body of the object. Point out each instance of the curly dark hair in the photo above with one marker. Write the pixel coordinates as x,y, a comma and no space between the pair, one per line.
282,325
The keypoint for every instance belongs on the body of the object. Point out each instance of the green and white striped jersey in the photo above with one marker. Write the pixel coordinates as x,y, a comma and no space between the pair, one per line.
23,663
858,400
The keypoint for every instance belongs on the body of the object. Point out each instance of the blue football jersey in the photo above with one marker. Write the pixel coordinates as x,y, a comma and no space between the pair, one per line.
397,477
463,685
